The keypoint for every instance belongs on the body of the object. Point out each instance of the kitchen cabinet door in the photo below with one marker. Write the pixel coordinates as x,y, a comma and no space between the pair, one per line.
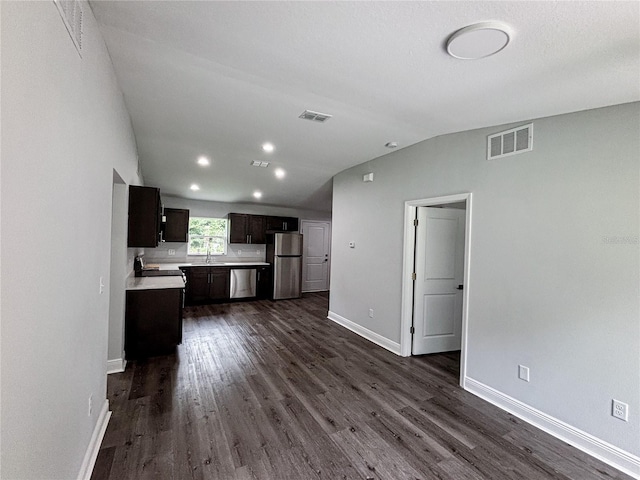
197,285
207,283
238,228
176,227
257,229
290,224
273,224
219,286
144,217
263,281
282,224
244,228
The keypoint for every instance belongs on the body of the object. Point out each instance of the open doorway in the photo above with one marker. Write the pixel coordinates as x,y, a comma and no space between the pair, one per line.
435,282
118,272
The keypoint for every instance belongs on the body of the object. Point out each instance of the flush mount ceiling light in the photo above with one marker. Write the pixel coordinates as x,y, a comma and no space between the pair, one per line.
479,40
194,187
280,173
391,144
257,194
203,161
268,147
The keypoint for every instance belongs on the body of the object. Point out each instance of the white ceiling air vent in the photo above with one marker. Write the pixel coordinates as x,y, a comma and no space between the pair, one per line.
258,163
315,116
510,142
71,13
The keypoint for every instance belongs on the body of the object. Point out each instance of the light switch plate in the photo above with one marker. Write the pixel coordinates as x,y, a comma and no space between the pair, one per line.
523,373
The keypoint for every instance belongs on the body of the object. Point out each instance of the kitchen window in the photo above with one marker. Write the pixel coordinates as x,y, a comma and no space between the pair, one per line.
207,235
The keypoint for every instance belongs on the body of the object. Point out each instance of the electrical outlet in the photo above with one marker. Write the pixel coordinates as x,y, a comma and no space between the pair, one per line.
90,410
523,373
101,285
171,252
239,252
257,252
371,313
620,410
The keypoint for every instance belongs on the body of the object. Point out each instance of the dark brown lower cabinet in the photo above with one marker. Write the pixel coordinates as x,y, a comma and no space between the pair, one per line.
153,322
205,284
263,281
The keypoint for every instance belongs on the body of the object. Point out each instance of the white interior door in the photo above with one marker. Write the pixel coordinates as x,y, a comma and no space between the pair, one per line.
437,314
315,256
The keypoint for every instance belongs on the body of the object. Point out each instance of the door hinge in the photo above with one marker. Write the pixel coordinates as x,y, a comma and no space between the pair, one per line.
412,330
415,222
413,276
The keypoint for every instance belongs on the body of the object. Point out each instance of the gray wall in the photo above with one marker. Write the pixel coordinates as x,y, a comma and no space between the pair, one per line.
554,272
199,208
64,131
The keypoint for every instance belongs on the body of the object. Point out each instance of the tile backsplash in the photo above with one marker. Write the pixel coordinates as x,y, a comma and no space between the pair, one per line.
235,252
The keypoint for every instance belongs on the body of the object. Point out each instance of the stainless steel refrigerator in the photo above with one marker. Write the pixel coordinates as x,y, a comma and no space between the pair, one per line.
284,253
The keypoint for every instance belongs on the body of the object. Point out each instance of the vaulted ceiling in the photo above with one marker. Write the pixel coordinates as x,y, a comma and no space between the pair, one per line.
221,78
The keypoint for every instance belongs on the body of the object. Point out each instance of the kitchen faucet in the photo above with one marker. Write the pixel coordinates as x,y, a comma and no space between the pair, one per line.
208,259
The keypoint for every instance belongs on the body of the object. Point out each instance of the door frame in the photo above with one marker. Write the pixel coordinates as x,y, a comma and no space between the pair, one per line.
304,255
410,209
116,362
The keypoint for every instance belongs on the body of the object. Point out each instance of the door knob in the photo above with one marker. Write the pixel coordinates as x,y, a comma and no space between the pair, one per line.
460,287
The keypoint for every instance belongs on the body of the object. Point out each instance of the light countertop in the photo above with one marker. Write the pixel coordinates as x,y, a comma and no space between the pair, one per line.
176,266
154,283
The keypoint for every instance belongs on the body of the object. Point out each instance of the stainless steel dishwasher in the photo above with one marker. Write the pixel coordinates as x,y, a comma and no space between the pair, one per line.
243,282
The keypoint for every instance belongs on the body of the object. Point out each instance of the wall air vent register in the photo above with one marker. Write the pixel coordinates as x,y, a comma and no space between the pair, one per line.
510,142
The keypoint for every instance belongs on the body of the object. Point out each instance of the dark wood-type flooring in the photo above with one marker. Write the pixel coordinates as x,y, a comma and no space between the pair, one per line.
264,390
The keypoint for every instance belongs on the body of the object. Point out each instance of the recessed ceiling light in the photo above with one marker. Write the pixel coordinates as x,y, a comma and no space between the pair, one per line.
257,194
391,144
203,161
280,173
268,147
194,187
479,40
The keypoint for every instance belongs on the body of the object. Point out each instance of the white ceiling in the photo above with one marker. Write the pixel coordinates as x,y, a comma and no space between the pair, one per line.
221,78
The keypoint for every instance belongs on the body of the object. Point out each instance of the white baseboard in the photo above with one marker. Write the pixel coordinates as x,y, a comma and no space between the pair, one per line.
610,454
94,445
116,366
366,333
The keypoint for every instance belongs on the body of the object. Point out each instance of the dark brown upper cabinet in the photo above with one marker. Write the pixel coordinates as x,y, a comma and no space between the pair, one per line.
176,227
244,228
282,224
144,217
